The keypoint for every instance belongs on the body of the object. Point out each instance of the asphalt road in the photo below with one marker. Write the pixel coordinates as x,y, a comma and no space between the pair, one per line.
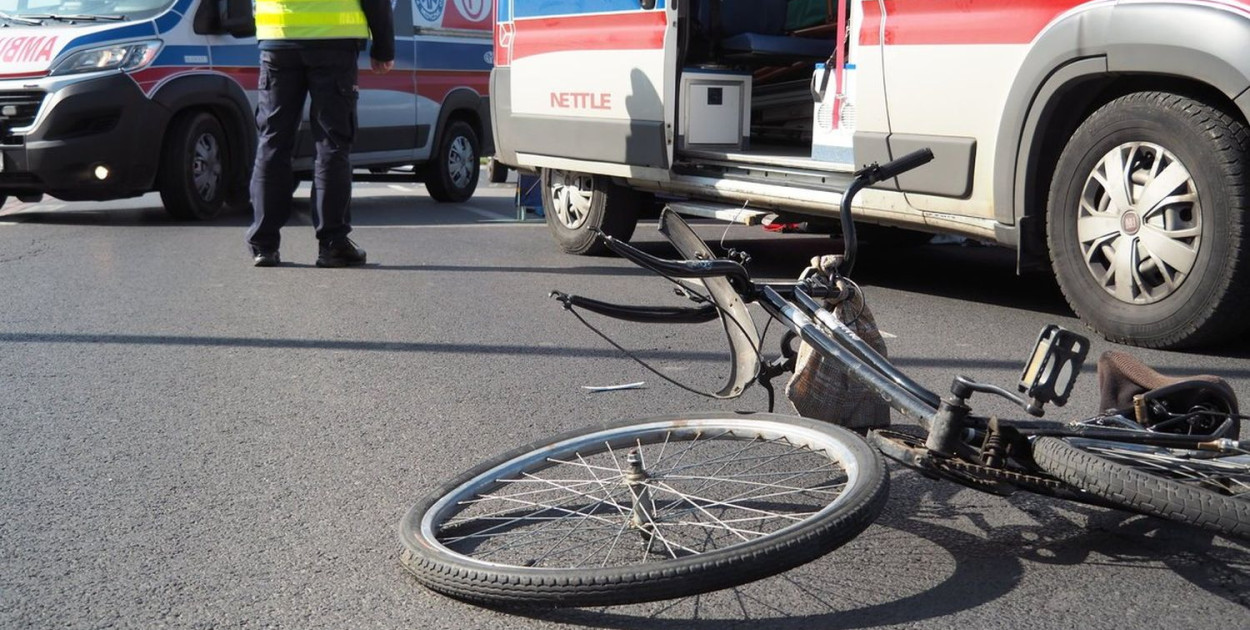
190,442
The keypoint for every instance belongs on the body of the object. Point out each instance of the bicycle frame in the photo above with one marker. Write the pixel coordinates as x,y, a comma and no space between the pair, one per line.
948,420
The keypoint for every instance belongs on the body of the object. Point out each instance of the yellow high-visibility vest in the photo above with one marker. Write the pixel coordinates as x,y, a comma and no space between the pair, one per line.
310,19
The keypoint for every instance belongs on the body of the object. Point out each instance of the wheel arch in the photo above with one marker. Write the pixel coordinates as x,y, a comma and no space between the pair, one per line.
1088,58
467,105
226,100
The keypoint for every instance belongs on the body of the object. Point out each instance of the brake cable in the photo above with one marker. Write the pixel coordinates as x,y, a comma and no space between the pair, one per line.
695,296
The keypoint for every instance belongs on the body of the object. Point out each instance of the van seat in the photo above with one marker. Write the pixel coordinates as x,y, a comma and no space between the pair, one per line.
752,32
769,48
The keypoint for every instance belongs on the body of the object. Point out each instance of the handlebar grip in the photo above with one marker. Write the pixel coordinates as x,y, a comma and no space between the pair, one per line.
894,168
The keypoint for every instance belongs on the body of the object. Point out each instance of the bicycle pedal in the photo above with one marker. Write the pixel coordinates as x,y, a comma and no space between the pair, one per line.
1053,367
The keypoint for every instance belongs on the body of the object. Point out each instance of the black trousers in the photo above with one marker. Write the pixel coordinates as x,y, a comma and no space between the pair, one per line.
287,78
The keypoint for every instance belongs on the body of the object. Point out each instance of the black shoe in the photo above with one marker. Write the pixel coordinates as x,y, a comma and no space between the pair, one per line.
265,258
340,253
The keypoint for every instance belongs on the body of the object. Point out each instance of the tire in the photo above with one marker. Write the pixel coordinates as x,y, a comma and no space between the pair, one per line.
496,172
469,540
580,206
1162,267
1208,492
453,171
195,161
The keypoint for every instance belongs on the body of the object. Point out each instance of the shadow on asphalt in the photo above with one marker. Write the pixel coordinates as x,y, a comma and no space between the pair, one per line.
945,570
368,210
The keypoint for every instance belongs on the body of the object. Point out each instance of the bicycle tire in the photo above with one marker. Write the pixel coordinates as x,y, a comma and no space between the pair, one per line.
452,538
1212,493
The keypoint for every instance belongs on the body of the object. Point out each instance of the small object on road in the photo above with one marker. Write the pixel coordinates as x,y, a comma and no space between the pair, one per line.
612,388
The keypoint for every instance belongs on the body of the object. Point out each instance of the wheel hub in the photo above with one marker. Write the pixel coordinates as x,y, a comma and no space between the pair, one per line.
1139,224
1130,223
571,197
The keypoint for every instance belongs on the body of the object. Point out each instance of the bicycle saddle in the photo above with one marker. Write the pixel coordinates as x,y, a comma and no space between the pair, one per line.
1129,387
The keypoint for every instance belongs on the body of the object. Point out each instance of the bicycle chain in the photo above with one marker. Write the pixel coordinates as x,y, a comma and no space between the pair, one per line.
1011,477
976,476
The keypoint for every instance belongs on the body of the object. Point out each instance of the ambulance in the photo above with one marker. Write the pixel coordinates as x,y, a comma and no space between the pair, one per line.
1105,139
106,99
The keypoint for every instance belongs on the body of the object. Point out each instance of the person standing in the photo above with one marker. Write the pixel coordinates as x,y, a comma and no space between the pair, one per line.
308,48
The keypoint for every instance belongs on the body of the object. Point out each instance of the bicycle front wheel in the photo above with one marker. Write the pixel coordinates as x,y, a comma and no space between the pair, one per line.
1208,490
644,510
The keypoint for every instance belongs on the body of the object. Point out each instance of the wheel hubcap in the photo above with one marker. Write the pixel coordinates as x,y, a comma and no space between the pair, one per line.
206,166
459,162
571,194
1140,223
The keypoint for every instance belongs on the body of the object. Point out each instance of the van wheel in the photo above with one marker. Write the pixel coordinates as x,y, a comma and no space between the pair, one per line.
194,163
579,206
1146,222
455,166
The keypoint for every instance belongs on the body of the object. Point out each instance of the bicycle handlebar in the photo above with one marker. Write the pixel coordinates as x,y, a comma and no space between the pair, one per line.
875,173
711,268
867,176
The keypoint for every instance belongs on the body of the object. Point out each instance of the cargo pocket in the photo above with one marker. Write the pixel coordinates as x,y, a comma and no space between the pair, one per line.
349,92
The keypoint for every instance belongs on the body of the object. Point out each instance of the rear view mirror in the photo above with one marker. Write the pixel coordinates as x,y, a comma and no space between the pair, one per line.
225,17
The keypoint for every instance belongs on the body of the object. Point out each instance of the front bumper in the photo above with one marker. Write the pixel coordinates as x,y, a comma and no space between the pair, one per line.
83,123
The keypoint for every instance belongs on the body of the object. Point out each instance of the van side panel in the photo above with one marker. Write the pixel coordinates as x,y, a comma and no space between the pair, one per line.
578,70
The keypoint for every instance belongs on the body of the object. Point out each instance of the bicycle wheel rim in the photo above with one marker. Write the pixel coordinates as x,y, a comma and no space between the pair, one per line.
662,563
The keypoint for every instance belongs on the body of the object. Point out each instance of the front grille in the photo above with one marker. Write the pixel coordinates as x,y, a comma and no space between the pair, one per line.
18,109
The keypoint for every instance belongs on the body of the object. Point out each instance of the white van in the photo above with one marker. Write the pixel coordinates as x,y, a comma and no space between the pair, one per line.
105,99
1108,140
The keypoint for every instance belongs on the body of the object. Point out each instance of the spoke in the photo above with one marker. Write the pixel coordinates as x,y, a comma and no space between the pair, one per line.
550,550
738,458
1095,228
1166,248
602,486
1160,188
738,480
1115,180
620,531
727,503
1124,270
558,508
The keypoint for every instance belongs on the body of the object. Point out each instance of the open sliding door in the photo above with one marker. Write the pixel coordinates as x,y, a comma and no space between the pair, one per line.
587,85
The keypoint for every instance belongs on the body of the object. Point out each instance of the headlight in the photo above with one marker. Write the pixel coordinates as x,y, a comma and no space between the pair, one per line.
124,57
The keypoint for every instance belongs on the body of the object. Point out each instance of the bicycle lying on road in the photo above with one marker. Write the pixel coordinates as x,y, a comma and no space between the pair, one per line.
673,506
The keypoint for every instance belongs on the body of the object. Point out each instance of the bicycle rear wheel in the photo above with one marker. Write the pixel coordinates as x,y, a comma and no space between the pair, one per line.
644,510
1207,490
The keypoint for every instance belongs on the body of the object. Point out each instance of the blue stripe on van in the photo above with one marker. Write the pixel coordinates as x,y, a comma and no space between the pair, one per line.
177,56
130,31
436,55
173,16
543,8
241,55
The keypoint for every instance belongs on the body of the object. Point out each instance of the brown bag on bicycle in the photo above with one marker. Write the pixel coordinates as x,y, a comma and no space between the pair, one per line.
821,389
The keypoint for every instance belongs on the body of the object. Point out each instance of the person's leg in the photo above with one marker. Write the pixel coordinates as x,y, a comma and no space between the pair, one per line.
282,89
332,116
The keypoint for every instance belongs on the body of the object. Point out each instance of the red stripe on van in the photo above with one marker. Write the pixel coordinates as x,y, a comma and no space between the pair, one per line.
635,30
954,23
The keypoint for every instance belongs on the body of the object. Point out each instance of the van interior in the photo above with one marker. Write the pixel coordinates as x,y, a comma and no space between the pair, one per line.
759,57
